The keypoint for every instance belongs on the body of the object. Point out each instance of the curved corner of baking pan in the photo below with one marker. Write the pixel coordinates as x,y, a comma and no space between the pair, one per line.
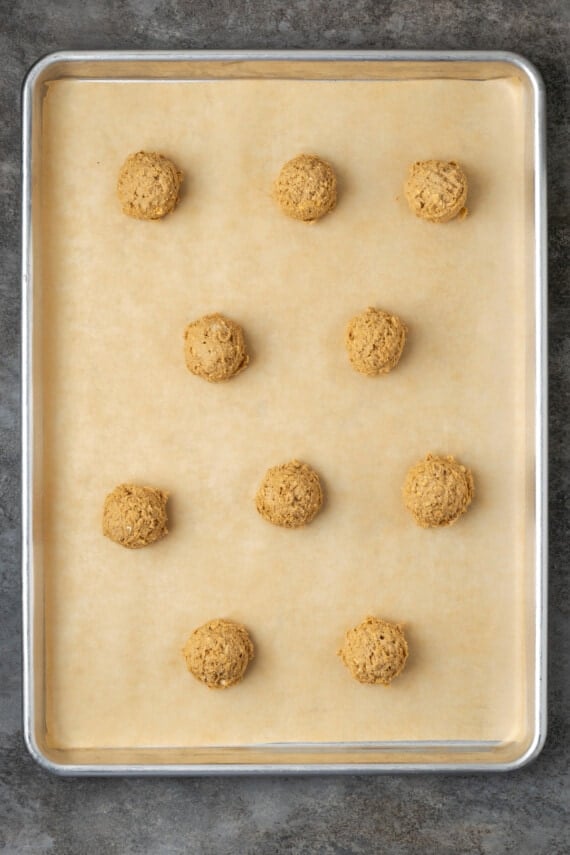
39,755
526,66
530,751
42,67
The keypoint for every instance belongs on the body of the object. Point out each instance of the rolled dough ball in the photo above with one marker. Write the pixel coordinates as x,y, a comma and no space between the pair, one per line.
374,341
148,186
437,491
135,516
375,651
218,653
306,188
290,495
214,348
436,190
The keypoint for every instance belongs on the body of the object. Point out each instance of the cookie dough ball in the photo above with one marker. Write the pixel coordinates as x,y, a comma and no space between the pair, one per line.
374,341
437,491
306,188
290,495
149,186
375,651
436,190
218,653
135,516
214,348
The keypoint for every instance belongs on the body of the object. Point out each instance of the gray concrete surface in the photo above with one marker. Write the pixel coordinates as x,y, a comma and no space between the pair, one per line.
522,812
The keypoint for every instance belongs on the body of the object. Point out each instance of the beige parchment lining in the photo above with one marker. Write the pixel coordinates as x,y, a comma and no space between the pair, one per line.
119,405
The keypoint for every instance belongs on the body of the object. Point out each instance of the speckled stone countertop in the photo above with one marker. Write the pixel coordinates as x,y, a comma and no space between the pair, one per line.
520,812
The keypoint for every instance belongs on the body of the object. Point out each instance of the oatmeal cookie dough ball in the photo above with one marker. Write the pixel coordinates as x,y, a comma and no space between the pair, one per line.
305,188
436,190
214,348
374,341
290,495
437,491
218,653
135,516
375,651
148,186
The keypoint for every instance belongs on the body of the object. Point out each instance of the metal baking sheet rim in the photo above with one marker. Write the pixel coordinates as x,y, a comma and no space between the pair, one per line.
523,68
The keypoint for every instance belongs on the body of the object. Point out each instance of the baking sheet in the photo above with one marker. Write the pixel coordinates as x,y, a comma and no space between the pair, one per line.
119,406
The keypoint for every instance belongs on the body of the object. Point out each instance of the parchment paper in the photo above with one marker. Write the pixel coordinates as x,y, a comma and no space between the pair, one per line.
120,406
